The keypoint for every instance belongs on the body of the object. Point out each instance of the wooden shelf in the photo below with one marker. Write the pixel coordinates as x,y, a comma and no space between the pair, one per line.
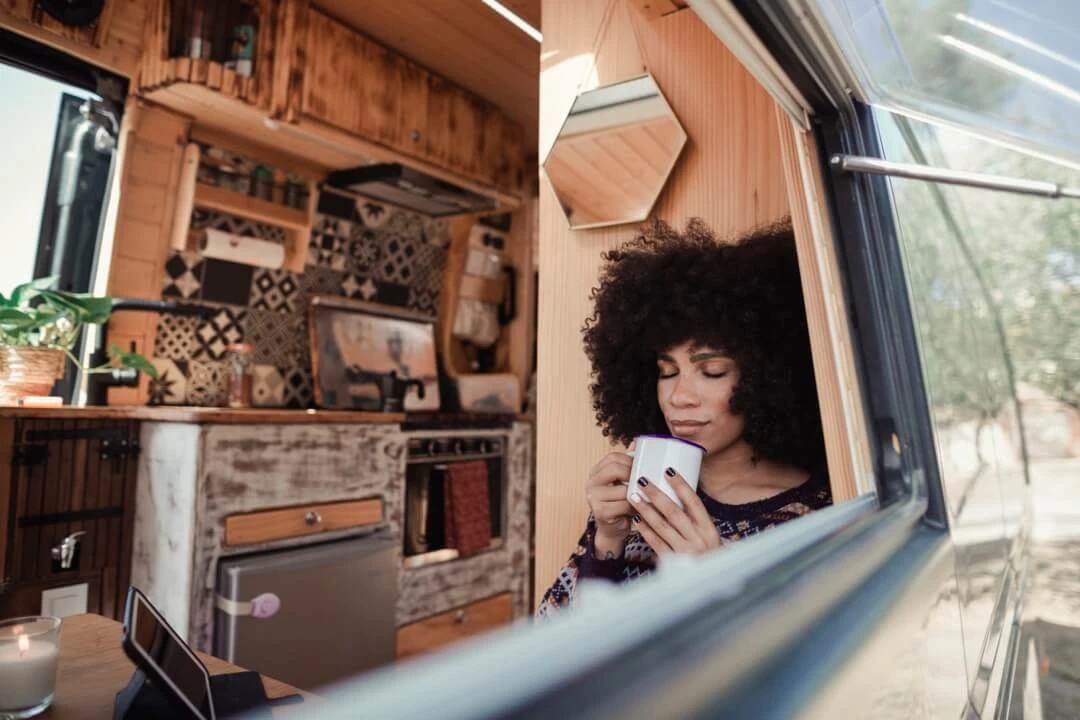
253,208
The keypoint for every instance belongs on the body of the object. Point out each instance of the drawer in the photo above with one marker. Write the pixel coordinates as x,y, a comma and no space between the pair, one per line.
449,627
283,523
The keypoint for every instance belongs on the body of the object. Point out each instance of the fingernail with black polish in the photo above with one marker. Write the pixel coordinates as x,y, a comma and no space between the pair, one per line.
642,482
670,472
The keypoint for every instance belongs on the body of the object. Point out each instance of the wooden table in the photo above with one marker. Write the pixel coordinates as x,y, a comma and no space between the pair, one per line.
93,668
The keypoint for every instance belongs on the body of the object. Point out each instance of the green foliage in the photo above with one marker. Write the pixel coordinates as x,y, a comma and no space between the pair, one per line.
39,316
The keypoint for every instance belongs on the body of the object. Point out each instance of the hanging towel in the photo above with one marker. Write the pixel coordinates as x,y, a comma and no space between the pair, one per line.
468,513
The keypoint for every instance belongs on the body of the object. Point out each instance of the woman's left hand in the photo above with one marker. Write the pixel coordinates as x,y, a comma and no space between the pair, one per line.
668,528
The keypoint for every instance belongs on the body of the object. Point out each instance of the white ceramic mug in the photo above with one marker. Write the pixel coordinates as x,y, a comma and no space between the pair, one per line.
653,454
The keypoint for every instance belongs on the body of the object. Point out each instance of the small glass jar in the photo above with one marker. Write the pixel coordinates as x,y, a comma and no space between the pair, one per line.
240,377
29,650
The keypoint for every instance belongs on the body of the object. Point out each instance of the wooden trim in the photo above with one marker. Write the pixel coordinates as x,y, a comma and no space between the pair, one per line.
208,415
454,625
454,362
185,197
216,198
847,452
284,523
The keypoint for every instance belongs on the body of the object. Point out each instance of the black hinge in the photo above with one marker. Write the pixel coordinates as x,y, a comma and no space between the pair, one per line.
28,454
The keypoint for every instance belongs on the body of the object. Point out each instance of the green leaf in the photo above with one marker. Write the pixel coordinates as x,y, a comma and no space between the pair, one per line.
27,291
14,319
88,309
132,360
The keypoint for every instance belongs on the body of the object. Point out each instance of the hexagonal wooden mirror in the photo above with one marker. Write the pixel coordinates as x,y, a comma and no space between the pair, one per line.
614,153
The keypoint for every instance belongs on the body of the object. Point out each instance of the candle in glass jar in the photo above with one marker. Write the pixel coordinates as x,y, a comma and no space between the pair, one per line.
27,672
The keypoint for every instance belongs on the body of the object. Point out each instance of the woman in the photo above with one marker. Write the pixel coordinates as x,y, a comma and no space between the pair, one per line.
706,342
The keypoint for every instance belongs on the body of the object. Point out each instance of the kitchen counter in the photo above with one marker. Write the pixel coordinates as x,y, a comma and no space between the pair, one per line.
204,415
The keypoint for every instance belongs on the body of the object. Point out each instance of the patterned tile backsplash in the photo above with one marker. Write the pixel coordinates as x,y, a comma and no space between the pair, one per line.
358,248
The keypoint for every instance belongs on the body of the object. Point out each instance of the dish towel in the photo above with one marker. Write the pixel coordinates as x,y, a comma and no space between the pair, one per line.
468,513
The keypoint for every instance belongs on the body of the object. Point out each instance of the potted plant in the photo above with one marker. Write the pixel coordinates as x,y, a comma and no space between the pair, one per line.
38,328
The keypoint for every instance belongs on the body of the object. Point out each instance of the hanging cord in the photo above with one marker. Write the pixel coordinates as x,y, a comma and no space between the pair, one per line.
598,40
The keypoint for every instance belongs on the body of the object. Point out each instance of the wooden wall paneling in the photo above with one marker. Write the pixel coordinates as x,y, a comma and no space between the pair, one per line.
730,174
463,123
332,63
412,108
452,355
151,152
290,59
379,117
265,53
440,128
7,490
847,451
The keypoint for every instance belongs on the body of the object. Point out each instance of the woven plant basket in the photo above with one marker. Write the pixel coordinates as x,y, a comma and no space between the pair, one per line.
27,372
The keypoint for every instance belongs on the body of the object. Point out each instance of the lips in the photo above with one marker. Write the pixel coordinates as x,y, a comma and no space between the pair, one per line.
685,428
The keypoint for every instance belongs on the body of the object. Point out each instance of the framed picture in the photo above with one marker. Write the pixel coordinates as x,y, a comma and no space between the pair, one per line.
360,350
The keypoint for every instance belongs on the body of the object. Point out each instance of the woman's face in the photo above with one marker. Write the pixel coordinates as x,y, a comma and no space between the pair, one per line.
694,389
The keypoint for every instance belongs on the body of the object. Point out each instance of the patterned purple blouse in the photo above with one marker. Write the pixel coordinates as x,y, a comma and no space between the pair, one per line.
734,522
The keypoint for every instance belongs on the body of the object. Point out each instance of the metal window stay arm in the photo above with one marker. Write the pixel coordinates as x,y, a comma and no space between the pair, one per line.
877,166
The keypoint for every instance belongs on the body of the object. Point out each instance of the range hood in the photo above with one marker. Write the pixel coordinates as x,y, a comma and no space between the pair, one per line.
407,188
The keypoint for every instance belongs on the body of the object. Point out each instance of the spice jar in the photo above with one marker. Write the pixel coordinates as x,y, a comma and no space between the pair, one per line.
240,375
262,181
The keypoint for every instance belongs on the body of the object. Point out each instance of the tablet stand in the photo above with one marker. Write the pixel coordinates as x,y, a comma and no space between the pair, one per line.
233,693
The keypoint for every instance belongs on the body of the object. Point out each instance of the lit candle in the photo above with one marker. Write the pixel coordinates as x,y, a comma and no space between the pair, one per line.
28,656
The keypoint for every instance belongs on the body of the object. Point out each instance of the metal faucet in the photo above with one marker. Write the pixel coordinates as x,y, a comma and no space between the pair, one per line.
64,553
98,384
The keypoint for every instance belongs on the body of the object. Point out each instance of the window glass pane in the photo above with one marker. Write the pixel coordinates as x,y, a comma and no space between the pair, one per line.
1006,67
994,280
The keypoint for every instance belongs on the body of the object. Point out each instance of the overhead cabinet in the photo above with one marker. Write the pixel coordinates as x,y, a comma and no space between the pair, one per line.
317,89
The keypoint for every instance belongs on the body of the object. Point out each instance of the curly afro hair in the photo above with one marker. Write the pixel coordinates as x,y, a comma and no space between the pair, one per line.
664,288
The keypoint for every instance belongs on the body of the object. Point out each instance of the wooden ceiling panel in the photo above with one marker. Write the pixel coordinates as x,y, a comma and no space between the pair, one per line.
465,41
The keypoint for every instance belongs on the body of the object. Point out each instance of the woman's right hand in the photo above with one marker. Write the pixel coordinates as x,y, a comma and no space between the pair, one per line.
605,492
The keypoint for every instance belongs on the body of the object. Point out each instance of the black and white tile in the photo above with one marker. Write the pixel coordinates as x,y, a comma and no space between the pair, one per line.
363,248
328,250
360,287
235,225
279,339
320,281
394,294
277,290
373,214
424,301
183,275
214,335
298,391
337,205
170,386
175,337
227,282
268,386
206,383
397,258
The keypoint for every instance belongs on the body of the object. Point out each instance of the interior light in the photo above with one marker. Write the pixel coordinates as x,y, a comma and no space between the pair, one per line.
514,18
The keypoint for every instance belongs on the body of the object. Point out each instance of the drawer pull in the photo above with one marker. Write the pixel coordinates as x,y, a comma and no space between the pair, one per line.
460,618
312,518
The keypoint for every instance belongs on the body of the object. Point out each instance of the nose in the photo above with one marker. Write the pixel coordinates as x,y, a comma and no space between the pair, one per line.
683,393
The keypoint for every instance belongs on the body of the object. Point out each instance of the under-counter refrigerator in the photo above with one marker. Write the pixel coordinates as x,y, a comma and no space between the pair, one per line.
311,615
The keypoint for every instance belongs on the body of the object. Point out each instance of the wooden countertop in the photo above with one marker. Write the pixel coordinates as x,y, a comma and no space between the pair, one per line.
93,668
203,415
